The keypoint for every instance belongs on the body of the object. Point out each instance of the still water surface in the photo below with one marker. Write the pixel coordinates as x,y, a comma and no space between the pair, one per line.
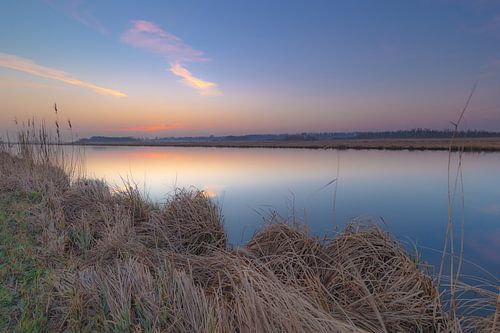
406,190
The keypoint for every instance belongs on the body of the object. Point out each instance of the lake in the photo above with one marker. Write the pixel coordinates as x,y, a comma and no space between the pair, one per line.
404,191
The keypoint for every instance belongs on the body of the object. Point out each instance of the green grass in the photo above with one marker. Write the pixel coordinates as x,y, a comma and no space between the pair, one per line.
23,298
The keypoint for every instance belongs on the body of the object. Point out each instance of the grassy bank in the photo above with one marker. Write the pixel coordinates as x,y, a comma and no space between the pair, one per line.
78,255
23,290
467,144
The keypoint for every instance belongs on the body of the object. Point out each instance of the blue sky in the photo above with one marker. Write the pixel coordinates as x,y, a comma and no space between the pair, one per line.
232,67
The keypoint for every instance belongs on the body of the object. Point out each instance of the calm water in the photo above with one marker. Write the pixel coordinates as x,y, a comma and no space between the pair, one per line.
408,190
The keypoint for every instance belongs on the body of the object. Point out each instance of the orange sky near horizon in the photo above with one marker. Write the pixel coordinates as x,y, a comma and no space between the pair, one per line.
169,69
153,114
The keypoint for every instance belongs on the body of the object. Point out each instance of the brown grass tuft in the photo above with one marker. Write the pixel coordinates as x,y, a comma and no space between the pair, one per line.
374,281
188,223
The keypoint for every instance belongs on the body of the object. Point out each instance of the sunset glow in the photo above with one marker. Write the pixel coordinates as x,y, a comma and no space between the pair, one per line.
232,68
153,128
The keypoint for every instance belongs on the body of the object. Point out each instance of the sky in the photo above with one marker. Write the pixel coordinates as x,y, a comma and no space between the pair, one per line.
175,68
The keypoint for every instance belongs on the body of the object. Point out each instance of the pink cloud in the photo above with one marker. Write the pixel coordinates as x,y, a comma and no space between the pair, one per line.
28,66
147,35
205,88
150,37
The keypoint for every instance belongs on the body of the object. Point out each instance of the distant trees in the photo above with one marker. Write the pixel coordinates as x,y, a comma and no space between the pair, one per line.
424,133
417,133
109,139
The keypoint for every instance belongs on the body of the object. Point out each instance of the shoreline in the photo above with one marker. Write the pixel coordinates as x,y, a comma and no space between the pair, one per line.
465,144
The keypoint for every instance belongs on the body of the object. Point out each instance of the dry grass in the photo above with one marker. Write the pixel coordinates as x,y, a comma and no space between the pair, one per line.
189,223
362,276
114,261
391,293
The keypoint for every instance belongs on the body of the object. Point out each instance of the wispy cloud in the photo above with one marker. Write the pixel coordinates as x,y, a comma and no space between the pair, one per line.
77,10
28,66
148,36
151,128
205,88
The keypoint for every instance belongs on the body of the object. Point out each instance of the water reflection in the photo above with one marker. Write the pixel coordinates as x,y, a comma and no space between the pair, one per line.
407,189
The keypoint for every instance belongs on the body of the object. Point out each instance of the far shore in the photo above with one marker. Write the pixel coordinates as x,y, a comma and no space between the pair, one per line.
467,144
